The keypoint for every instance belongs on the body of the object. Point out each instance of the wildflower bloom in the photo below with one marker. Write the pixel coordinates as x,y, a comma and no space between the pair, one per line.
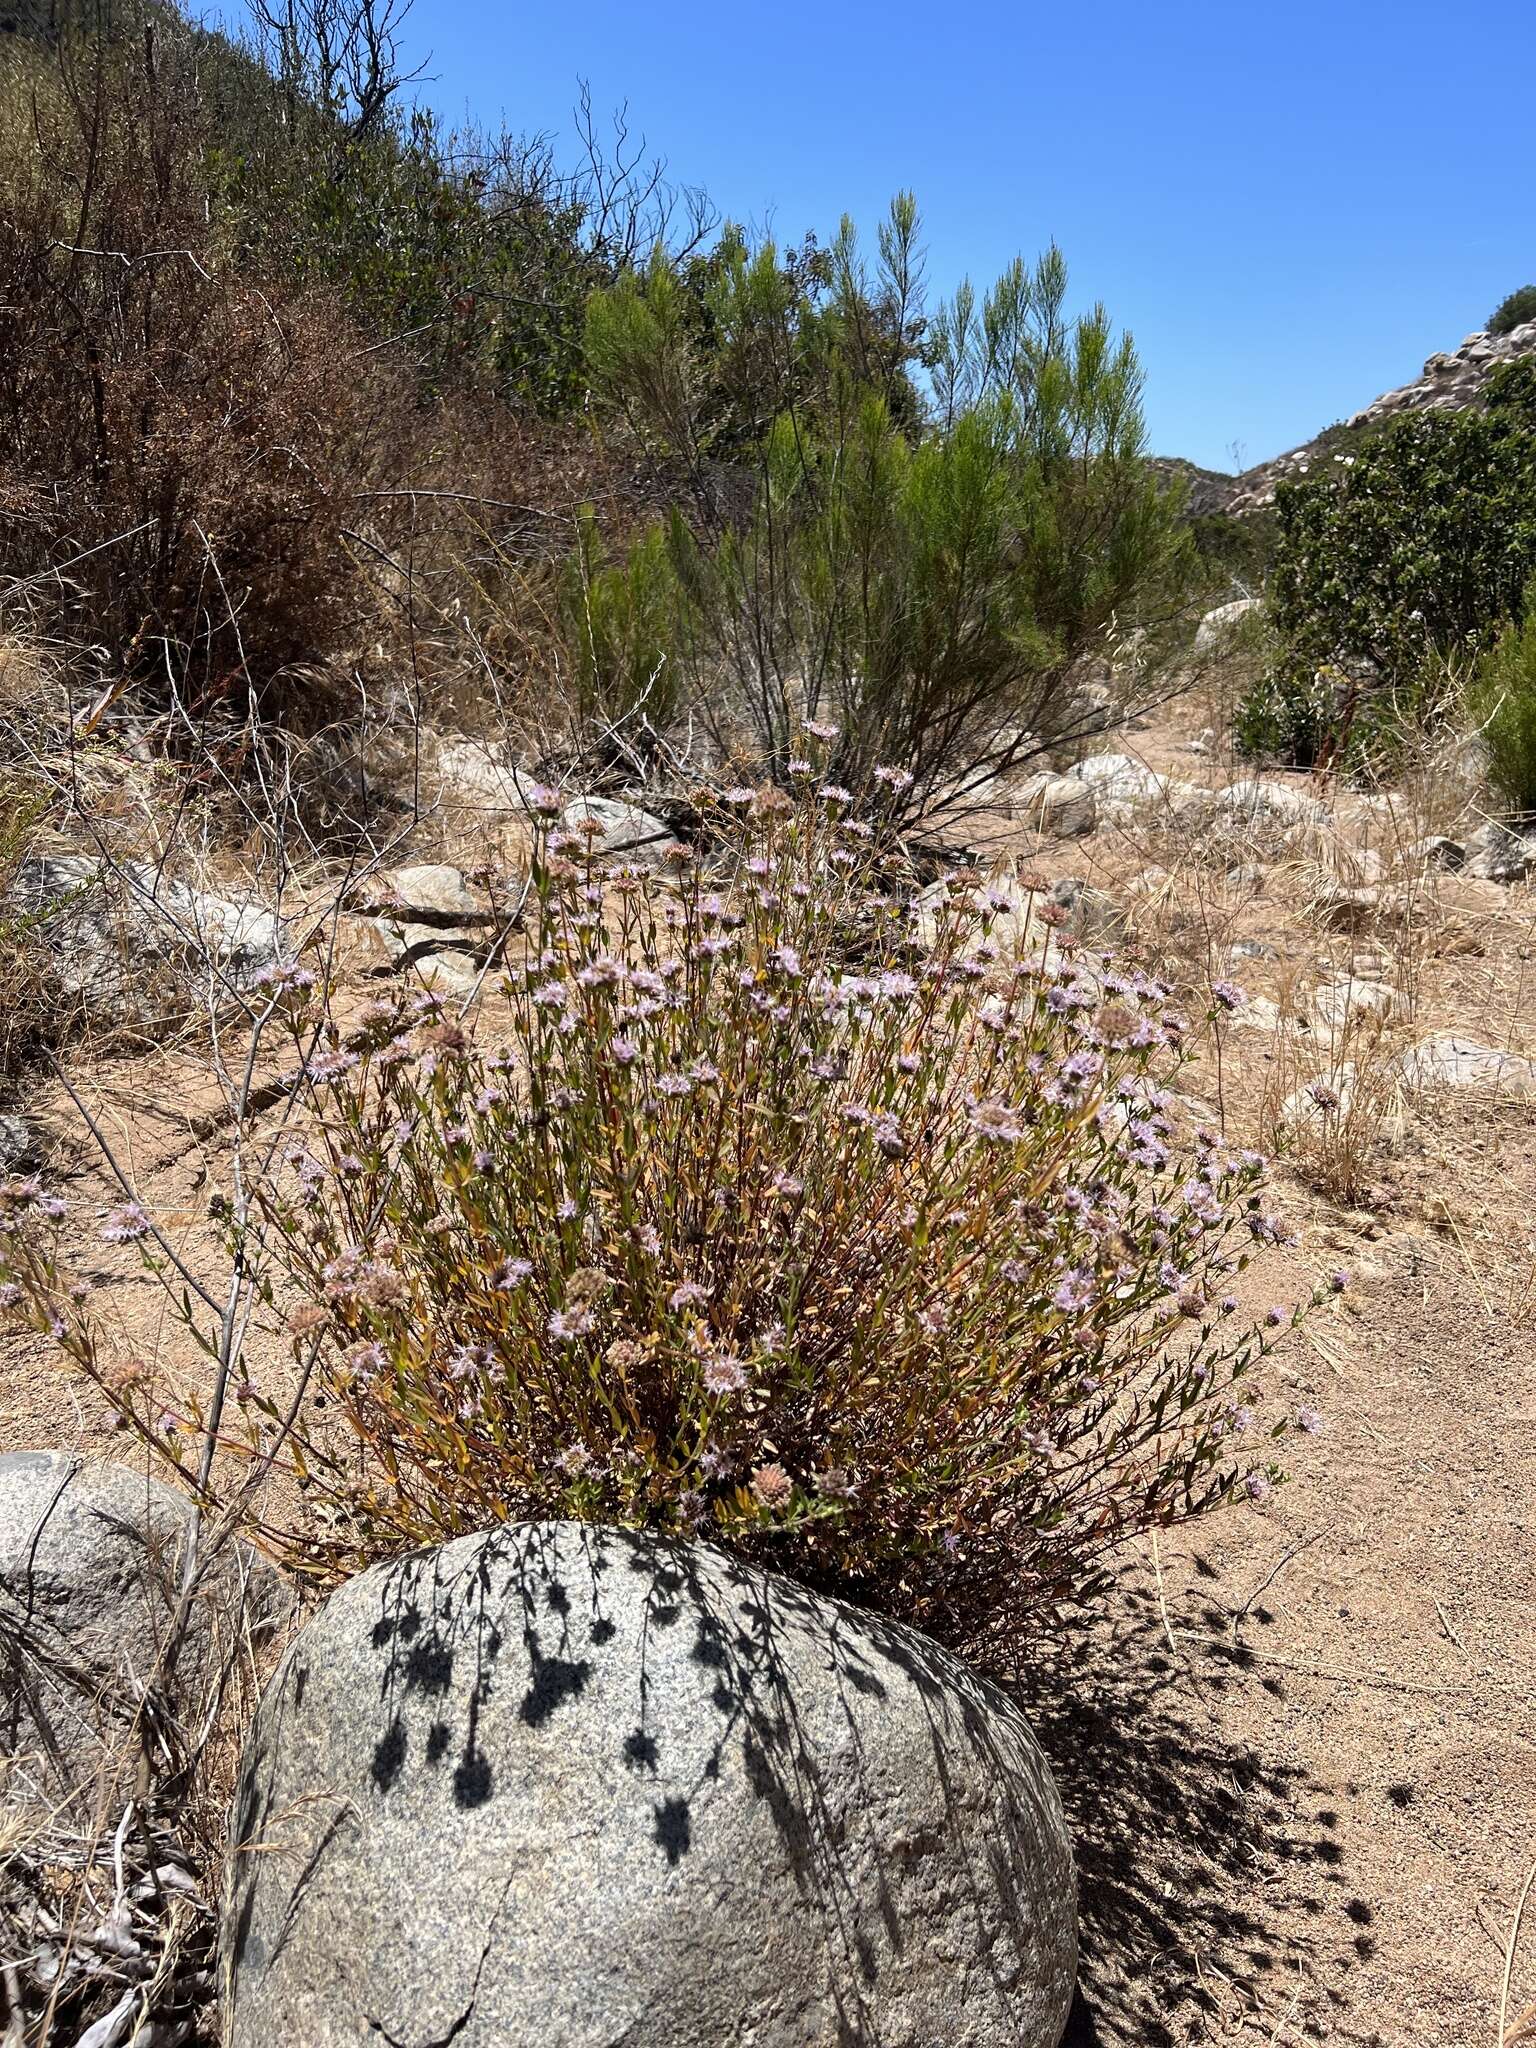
771,1486
283,976
331,1065
566,1325
1338,1281
723,1373
1074,1291
1309,1421
1227,995
996,1122
126,1225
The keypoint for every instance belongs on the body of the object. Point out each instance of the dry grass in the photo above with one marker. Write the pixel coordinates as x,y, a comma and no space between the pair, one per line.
111,1861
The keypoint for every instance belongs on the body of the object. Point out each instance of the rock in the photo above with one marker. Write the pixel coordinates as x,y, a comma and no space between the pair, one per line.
1218,628
1255,797
427,951
1151,880
434,924
18,1145
1496,853
1449,1060
1349,909
1057,804
562,1784
1259,1013
430,894
1125,785
624,831
1341,1002
1436,851
477,776
1453,378
1015,928
1359,864
105,923
90,1562
961,800
1120,778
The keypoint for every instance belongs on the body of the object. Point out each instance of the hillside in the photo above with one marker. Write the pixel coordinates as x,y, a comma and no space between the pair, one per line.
1450,379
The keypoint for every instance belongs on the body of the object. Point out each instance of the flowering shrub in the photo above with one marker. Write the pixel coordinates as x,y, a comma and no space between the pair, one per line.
764,1221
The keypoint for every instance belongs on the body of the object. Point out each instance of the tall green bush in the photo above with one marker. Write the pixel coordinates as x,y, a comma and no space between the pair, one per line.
927,582
1503,700
1514,311
1397,561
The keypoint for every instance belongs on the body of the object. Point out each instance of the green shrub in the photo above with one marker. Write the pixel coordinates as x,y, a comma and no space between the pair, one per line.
1503,700
1514,311
924,584
620,625
1391,568
875,1263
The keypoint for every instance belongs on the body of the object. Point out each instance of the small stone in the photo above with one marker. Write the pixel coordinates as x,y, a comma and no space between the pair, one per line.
1092,912
624,831
1328,1096
1436,851
108,923
1255,797
1219,627
1496,853
1352,908
432,893
1056,804
1120,778
1259,1013
18,1145
1449,1060
1338,1003
90,1563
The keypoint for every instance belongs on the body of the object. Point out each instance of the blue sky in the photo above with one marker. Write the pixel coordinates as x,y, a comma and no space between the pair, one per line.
1290,205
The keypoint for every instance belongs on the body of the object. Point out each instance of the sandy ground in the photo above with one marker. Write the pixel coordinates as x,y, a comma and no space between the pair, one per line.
1296,1744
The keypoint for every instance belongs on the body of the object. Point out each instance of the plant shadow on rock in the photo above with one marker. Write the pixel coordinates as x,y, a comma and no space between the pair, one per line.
476,1650
1192,1851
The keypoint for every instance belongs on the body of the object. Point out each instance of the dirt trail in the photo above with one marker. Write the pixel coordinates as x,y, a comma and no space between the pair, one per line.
1301,1767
